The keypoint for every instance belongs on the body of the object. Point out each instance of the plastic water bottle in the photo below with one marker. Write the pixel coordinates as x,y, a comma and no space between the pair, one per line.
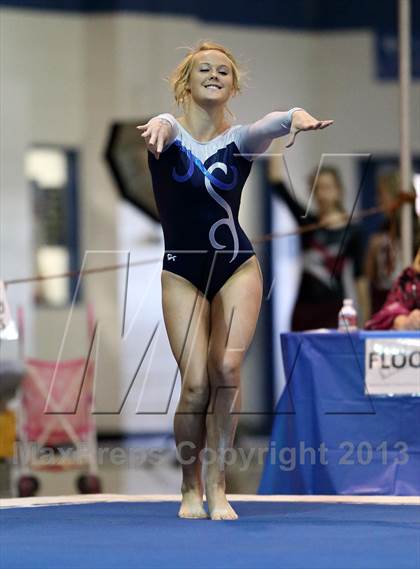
347,317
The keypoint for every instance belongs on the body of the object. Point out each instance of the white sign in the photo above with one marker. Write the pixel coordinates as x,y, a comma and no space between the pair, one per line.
8,330
392,366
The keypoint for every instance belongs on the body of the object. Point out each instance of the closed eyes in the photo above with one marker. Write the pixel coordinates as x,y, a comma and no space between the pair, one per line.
222,71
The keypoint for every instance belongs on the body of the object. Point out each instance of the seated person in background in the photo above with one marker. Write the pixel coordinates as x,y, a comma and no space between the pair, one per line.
383,258
401,310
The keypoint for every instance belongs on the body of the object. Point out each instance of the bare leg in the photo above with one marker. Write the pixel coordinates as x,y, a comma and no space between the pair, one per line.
234,315
186,314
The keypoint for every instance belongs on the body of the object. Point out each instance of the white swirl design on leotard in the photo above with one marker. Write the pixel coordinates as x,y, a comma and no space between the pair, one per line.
210,179
229,220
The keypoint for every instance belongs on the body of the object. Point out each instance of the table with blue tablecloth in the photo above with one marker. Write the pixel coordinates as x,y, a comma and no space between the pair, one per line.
328,436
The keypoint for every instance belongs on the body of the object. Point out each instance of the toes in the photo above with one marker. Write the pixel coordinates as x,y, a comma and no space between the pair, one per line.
224,515
192,513
192,516
221,517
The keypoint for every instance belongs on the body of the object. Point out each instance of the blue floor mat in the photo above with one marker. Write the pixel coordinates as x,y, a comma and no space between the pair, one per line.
127,535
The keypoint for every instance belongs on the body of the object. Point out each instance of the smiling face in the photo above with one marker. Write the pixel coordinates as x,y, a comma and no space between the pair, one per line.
211,78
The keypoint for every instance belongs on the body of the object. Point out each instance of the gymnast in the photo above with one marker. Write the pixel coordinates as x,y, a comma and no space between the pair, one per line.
211,278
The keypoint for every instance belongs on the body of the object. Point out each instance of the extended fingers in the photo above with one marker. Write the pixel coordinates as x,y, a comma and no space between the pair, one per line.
317,124
146,130
326,123
159,145
142,126
312,126
153,137
322,124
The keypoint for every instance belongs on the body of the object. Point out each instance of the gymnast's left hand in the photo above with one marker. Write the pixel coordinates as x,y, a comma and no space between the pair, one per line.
301,120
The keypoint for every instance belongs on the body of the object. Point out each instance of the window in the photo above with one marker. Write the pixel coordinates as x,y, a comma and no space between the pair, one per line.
52,173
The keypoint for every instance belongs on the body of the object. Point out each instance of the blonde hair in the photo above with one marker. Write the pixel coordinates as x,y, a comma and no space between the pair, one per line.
180,77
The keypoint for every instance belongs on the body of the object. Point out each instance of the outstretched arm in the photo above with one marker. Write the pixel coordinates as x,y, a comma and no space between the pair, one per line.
257,137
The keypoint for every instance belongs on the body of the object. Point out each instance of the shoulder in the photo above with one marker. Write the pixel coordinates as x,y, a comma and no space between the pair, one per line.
236,131
238,134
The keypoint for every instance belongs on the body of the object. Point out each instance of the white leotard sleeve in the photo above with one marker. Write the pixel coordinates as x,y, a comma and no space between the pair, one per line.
252,139
256,137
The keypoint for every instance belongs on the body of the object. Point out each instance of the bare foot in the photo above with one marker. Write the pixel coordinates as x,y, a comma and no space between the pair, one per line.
219,507
192,505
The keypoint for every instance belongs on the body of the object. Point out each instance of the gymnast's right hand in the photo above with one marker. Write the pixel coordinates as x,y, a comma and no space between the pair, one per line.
156,134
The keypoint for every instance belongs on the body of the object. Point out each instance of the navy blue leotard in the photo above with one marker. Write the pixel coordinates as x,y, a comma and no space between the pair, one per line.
197,188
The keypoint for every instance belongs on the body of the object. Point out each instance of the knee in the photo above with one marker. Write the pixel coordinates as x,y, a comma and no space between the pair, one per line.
224,370
194,397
